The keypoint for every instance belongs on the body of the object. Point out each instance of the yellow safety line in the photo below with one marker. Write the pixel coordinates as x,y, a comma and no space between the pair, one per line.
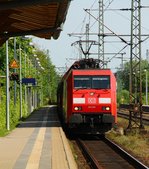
34,159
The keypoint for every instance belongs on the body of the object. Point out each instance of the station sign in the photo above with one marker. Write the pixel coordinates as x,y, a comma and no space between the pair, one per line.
27,81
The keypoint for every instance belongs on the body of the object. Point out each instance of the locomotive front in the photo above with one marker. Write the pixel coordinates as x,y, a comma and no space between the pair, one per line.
93,107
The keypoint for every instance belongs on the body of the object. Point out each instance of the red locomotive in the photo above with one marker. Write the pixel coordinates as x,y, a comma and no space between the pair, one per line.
87,98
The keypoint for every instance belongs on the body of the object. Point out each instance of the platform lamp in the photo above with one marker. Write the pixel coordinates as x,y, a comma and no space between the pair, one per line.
146,86
36,60
20,76
39,67
7,89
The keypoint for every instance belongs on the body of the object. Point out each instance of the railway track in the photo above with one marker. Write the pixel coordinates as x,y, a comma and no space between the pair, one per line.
125,114
101,153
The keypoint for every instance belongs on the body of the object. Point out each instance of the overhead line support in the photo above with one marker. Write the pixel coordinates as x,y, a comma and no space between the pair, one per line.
135,76
101,34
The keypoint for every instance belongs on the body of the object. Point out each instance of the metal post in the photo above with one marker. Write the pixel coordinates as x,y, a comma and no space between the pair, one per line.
20,75
135,65
29,98
101,34
25,91
87,42
36,74
146,87
15,83
7,88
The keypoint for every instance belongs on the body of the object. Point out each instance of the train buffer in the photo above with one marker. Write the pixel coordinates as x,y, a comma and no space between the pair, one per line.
37,143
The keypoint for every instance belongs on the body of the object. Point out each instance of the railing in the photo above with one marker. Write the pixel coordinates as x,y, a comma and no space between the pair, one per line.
145,108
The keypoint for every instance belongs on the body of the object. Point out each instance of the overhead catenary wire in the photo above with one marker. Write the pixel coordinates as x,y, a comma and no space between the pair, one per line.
112,32
110,2
118,53
125,17
123,40
84,21
93,4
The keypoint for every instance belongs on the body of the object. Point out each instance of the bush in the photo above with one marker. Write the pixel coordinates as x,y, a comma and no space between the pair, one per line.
14,113
123,97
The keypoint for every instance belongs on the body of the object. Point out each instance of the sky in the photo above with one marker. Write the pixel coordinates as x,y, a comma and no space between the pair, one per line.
63,53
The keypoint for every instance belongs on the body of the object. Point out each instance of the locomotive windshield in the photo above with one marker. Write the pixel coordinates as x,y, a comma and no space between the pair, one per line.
93,82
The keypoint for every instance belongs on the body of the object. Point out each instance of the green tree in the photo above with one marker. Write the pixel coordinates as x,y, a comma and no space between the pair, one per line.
123,78
45,75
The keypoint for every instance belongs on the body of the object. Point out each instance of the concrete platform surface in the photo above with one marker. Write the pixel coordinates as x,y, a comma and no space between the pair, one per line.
38,143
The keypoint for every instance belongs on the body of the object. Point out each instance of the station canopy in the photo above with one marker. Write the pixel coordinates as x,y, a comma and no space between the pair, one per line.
41,18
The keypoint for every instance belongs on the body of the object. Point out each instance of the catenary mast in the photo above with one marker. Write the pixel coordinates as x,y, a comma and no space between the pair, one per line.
101,34
135,81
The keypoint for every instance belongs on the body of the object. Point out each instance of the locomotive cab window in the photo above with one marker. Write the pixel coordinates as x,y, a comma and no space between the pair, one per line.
101,82
95,82
82,82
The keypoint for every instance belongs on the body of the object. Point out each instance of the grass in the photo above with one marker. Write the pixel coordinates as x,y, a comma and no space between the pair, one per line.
4,132
135,143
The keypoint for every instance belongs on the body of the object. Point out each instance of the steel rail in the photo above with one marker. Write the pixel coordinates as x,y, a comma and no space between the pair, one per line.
126,116
93,162
132,160
118,150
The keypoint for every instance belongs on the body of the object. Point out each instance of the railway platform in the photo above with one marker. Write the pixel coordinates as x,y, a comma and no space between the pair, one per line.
37,143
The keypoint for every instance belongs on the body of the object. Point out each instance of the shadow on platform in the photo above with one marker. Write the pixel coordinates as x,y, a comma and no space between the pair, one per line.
43,117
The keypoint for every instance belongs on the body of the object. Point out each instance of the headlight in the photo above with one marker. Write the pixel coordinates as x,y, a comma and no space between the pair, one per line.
77,108
107,108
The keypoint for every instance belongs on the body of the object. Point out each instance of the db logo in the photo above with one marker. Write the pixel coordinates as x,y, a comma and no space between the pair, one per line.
92,100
